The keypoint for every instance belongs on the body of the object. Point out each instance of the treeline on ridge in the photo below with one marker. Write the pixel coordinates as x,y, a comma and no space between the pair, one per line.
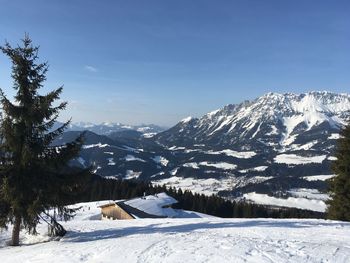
115,189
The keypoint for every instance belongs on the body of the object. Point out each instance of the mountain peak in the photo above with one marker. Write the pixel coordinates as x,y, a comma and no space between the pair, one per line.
275,119
187,119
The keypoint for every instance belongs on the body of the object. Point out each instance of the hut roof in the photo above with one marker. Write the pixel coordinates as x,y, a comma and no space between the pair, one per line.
107,205
155,205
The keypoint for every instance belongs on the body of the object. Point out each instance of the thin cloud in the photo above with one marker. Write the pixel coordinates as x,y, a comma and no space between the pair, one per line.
90,68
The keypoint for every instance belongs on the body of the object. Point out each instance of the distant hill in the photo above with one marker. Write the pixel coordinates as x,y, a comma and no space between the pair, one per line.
107,128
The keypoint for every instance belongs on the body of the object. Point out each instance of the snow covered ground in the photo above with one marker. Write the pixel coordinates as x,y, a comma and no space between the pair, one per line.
319,177
185,240
309,199
203,186
296,159
208,186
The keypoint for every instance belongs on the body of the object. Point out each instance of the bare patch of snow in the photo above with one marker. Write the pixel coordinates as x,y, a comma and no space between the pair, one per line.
149,134
297,159
96,169
161,160
258,169
111,161
322,177
228,152
332,158
306,146
174,171
175,148
219,165
302,203
130,158
157,174
312,194
191,165
334,136
130,174
99,145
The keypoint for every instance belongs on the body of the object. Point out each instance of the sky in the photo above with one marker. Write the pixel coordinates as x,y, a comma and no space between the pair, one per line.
159,61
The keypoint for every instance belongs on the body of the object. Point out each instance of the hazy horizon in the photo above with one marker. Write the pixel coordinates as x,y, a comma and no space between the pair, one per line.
79,122
157,62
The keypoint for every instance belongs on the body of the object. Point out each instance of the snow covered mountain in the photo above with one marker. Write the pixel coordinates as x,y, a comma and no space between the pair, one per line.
274,122
278,144
274,144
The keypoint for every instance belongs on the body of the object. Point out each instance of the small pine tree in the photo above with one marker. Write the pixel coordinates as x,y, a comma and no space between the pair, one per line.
339,186
34,175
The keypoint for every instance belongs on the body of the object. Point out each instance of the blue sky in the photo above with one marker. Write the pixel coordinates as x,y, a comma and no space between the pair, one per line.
160,61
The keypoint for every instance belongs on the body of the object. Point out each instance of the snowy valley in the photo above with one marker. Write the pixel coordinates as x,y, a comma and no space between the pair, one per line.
279,146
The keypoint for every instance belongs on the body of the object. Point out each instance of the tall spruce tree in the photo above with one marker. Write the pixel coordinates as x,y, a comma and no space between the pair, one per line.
34,175
339,186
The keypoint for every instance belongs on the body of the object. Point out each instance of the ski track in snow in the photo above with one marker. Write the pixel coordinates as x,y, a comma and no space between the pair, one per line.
185,240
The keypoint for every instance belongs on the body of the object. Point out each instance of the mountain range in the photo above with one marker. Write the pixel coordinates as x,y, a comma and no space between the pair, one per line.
276,144
108,128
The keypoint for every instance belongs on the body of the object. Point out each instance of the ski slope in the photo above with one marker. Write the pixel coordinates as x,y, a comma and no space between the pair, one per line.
205,239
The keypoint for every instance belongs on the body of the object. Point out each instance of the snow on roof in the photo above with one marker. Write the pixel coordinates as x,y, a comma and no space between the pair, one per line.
153,204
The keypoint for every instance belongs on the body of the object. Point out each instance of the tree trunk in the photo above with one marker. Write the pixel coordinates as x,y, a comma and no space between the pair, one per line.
15,231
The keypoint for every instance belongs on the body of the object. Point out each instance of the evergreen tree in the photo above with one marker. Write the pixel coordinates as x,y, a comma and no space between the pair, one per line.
339,203
34,175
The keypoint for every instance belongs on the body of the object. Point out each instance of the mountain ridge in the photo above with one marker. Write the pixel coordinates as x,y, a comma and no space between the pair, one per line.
106,128
283,112
276,144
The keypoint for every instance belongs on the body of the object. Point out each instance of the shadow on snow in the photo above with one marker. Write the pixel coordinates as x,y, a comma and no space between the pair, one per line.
73,236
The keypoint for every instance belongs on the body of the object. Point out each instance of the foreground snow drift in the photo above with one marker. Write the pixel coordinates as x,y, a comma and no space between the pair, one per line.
186,240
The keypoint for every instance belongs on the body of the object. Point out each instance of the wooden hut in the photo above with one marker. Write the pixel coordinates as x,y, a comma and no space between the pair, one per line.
114,211
152,206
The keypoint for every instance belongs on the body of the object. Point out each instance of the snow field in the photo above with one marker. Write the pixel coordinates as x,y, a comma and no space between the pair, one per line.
304,202
161,160
296,159
208,186
319,177
218,165
130,158
186,240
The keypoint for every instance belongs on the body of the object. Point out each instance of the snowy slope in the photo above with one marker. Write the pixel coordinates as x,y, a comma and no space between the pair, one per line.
186,240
